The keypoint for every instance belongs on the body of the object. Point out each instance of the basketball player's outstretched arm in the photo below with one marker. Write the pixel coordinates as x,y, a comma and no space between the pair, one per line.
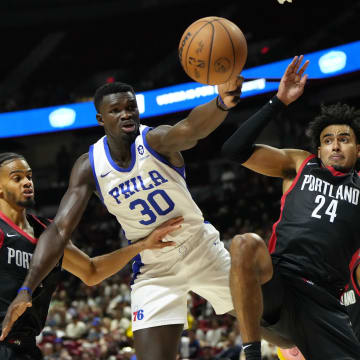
201,121
265,159
94,270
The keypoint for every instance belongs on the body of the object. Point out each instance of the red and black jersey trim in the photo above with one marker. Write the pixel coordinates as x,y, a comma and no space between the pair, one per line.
355,261
273,238
17,228
39,221
2,238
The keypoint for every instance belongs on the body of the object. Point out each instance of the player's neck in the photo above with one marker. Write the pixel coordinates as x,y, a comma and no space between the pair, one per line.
120,150
17,216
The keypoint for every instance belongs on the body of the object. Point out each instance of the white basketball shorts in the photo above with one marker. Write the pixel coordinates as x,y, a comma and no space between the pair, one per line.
159,293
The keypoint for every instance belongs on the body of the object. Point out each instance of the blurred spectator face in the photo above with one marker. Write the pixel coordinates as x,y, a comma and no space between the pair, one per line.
64,355
58,345
62,295
86,356
207,353
192,335
48,349
214,324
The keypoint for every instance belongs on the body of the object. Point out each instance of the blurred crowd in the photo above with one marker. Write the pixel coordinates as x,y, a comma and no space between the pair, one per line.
96,324
88,323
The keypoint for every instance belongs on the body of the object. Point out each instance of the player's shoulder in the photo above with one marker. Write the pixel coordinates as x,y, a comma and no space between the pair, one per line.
299,157
82,171
83,162
154,136
157,130
298,154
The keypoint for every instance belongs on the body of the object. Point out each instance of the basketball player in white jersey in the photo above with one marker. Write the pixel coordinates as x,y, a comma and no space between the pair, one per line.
138,173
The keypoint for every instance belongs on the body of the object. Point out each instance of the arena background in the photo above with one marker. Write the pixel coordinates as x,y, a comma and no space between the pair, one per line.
59,52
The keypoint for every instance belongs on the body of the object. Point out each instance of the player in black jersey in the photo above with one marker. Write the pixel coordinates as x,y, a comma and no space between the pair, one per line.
19,232
294,287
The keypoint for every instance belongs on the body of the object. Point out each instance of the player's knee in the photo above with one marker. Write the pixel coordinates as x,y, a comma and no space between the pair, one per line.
245,246
249,254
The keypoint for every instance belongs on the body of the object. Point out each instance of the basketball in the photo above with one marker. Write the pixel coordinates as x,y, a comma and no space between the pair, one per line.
212,50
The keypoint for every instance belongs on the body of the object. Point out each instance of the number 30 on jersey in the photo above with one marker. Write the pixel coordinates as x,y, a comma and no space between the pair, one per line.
158,203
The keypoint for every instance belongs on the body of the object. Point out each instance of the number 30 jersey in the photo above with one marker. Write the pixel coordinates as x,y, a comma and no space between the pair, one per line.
318,232
146,194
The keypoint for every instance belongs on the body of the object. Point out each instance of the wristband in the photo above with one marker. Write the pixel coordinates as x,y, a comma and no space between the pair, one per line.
276,103
220,104
27,289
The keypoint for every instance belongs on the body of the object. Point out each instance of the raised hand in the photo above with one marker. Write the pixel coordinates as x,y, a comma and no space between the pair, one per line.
230,91
154,239
15,310
293,81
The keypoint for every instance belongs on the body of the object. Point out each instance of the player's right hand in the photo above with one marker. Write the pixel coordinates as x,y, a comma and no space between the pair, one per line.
15,310
230,91
154,239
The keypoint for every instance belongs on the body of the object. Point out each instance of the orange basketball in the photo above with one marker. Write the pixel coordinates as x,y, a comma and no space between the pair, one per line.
212,50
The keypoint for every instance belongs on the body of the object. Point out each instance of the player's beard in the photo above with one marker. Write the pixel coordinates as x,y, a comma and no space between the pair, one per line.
342,169
27,204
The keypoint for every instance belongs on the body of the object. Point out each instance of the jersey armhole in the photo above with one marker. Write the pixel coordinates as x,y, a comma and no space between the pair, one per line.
298,174
355,262
179,170
2,238
91,159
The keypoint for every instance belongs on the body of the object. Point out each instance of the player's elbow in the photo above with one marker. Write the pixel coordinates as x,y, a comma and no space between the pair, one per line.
90,281
234,152
62,234
228,153
90,276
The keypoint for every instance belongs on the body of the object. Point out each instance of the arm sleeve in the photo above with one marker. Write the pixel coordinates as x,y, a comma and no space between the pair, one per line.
240,146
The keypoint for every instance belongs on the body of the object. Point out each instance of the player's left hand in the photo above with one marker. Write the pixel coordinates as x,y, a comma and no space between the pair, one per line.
230,91
15,310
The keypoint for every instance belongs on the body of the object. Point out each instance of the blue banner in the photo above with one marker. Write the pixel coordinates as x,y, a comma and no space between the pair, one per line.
323,64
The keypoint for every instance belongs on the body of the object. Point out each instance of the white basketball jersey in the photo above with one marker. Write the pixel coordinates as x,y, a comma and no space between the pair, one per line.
146,194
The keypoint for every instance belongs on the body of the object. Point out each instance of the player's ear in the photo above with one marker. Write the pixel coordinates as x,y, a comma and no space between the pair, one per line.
99,119
318,154
358,150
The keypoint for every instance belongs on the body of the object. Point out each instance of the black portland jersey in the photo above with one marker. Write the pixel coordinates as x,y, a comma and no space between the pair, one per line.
16,249
317,234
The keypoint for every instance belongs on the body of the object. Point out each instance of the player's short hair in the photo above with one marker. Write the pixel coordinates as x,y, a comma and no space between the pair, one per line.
336,114
110,88
6,156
